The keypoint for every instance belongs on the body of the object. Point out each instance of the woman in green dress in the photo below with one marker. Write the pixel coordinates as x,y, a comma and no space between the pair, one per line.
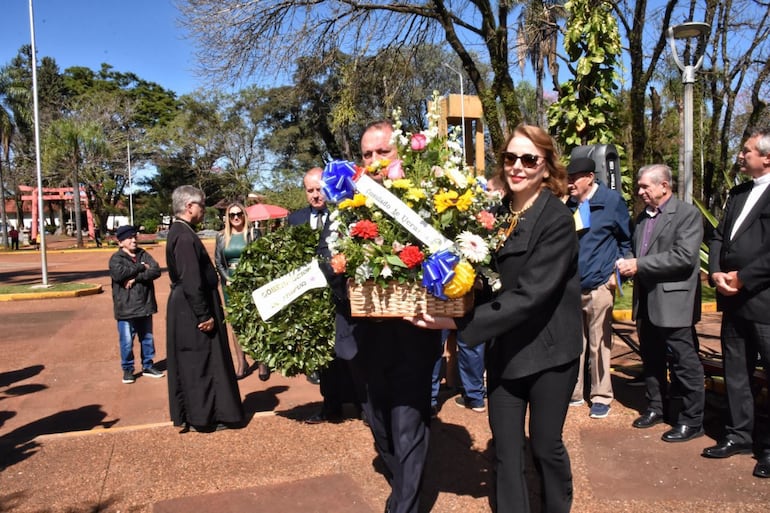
231,241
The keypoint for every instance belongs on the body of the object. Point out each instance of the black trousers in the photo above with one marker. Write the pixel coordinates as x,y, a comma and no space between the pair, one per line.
742,340
397,363
687,379
547,396
339,386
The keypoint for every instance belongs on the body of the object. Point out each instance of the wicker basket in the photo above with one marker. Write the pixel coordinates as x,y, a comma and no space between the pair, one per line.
397,300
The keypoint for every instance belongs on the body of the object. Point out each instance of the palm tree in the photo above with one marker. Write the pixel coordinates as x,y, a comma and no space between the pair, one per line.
12,100
70,142
536,40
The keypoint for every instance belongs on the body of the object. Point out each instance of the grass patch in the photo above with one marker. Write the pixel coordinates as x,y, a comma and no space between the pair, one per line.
624,302
36,288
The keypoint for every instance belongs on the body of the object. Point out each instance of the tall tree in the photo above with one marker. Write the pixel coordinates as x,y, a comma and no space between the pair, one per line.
239,39
537,40
588,105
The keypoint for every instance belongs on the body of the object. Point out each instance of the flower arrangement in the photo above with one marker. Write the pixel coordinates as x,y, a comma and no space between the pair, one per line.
375,240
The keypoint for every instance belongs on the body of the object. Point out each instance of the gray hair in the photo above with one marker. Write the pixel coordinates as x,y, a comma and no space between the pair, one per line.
183,195
659,173
763,143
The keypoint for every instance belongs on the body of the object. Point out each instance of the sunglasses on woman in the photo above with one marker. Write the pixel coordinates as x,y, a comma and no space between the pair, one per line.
233,215
527,160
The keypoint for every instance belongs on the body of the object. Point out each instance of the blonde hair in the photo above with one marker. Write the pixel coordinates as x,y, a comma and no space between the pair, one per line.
228,231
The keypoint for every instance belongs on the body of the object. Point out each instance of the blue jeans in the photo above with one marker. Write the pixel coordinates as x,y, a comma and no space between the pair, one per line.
142,328
470,364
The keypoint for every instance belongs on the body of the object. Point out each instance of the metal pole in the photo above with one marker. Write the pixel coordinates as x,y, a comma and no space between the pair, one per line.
130,186
43,257
462,107
688,78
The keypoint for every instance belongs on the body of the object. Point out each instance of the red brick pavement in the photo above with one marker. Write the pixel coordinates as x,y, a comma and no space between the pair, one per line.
74,438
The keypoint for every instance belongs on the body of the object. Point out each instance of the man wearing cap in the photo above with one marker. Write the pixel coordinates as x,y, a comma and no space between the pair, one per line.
604,235
133,271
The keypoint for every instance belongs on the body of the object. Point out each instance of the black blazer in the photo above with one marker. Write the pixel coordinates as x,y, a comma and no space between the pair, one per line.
748,253
534,322
302,216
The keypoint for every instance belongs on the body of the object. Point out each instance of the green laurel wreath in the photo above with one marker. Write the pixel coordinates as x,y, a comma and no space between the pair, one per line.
300,338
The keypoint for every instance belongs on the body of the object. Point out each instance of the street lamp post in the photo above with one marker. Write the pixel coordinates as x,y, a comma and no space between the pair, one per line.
688,30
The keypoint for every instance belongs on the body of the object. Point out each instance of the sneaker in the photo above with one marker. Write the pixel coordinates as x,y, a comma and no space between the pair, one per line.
128,376
460,401
599,410
579,402
152,372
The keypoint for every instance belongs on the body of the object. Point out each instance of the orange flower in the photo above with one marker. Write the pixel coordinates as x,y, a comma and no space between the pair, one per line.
339,263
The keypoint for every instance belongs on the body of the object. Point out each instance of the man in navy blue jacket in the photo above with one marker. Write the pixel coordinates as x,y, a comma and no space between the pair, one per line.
604,237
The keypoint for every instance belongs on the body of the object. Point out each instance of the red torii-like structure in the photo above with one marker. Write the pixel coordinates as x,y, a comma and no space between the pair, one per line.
55,194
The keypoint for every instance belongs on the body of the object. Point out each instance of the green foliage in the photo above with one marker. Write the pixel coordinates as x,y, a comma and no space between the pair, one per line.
588,105
300,338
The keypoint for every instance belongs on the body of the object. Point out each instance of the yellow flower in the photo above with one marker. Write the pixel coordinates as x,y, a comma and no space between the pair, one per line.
402,183
465,201
359,200
414,194
462,282
444,200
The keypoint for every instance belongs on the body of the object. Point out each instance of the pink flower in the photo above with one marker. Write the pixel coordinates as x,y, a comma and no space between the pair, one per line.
419,142
486,219
395,171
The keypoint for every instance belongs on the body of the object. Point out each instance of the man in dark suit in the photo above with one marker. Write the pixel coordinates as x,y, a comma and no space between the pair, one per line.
315,215
315,212
666,302
739,267
396,360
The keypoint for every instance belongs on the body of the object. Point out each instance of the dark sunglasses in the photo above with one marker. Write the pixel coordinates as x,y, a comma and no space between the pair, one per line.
527,160
233,215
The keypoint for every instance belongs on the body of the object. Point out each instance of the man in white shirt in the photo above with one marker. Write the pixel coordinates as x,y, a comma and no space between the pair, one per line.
739,267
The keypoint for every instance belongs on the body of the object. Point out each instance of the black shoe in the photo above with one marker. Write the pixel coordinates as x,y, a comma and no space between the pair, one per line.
264,372
324,416
726,448
762,468
638,381
682,433
314,378
648,419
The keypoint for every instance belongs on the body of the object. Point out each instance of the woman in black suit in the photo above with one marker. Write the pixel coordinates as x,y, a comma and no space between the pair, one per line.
533,324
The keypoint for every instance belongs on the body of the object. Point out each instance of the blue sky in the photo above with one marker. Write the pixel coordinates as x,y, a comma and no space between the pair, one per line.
138,36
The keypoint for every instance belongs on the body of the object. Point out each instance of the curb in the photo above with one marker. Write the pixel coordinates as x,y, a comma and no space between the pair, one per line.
23,296
625,315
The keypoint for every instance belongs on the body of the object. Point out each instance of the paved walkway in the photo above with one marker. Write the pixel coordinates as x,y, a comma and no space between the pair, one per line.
73,438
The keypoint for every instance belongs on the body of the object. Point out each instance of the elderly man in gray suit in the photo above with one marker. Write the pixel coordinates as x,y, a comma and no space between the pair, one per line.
666,301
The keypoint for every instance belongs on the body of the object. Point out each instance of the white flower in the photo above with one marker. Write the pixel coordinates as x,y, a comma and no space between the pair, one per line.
472,247
386,272
456,177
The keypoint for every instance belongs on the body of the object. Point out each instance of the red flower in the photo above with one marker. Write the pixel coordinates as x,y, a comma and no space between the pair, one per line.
411,256
364,229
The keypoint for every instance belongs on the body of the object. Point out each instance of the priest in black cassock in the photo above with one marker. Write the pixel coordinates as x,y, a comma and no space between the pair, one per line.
202,389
